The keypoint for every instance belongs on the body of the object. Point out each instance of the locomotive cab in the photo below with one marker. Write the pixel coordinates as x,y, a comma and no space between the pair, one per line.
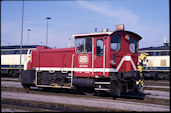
106,52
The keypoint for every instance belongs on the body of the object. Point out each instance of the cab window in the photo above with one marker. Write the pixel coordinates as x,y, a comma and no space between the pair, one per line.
84,45
99,47
80,44
88,45
115,42
133,45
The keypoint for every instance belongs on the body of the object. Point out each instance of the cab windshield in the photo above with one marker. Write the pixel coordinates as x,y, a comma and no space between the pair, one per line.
115,42
133,45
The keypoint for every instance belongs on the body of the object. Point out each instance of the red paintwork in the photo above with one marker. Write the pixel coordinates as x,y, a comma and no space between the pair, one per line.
52,57
29,66
62,58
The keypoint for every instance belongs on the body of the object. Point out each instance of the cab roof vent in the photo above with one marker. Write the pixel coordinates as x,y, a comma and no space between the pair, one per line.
105,30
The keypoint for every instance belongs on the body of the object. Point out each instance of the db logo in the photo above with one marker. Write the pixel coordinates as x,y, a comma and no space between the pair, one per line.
83,59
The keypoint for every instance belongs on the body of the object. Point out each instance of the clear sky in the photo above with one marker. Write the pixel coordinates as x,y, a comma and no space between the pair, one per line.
148,18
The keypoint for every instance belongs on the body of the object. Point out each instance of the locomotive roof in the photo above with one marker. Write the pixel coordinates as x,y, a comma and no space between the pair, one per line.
92,34
155,48
105,33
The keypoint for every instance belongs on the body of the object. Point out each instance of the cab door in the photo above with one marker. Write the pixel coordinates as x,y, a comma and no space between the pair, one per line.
99,55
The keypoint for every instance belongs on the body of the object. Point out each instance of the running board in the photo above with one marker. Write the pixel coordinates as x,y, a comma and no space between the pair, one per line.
67,87
102,89
102,82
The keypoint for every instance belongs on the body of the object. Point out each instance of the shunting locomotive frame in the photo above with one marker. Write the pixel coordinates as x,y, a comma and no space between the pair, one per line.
100,61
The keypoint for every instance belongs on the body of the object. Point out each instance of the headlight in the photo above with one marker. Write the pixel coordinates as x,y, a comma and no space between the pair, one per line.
113,61
127,37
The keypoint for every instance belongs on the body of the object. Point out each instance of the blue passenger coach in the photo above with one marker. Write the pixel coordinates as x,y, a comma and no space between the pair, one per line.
10,59
158,62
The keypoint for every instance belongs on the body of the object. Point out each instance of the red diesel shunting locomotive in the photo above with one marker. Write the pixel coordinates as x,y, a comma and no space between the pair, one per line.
105,61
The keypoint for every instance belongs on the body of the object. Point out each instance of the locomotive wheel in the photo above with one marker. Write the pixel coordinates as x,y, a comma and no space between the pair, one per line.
115,89
26,86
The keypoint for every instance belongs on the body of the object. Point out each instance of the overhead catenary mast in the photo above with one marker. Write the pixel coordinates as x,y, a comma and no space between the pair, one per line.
165,41
22,22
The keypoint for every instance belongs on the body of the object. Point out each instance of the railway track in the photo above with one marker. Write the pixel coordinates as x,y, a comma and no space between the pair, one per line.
8,106
155,100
